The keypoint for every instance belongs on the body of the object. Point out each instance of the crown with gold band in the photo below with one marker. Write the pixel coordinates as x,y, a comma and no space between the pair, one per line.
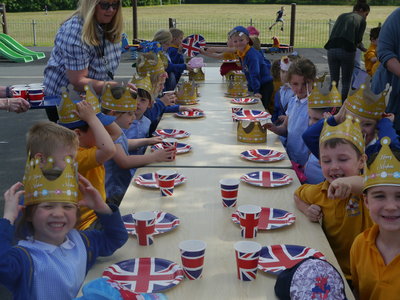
39,189
151,60
251,131
186,93
385,169
349,130
125,103
143,83
364,103
237,84
196,74
321,98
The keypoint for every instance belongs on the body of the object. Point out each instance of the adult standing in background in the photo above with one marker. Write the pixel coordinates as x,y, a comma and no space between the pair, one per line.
345,38
389,69
86,49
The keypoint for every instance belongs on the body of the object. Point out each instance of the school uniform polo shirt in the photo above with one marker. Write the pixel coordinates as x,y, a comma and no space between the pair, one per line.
372,278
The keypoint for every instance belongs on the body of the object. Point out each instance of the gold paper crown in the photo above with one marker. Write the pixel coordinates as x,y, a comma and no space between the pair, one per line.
321,99
143,83
39,189
67,106
251,131
151,63
364,103
125,103
349,130
186,92
196,74
385,169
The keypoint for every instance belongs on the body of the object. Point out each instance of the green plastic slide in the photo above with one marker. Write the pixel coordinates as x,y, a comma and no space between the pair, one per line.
17,47
13,55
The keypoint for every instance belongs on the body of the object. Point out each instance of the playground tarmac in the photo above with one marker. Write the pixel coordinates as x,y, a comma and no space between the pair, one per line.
14,126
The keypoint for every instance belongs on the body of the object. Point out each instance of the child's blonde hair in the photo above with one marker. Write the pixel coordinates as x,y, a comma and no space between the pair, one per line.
46,137
303,67
175,32
163,36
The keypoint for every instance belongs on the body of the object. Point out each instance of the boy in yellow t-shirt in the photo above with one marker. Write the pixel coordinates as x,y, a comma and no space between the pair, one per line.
375,254
371,56
340,208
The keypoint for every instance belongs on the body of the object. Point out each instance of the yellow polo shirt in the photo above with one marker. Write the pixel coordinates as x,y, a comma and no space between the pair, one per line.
343,219
89,168
372,278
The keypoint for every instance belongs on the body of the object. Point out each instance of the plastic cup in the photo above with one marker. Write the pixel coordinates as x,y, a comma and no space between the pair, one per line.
192,256
249,216
170,144
166,181
229,191
35,95
20,91
247,255
145,222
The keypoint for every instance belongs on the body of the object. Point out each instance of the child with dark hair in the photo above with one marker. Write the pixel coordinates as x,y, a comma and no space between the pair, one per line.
371,56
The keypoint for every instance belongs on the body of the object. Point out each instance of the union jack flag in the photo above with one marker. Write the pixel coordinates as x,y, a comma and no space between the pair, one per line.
145,232
192,263
262,155
244,100
191,45
145,274
267,179
250,114
247,265
275,259
270,218
249,224
171,133
164,222
149,180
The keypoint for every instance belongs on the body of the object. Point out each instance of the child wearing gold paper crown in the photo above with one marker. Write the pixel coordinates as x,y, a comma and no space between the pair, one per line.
342,213
120,169
52,260
375,254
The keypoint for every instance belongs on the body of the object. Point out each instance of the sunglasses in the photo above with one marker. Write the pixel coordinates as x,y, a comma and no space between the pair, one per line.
107,5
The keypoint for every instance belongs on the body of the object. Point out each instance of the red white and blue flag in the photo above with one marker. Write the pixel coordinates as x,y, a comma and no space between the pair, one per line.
267,179
247,265
250,114
191,45
192,262
164,222
275,259
249,224
171,133
262,155
150,180
145,274
270,218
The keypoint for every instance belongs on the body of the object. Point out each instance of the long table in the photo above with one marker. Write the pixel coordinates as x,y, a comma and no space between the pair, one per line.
197,203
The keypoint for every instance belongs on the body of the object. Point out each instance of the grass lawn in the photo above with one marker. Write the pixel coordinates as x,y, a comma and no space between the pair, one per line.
311,21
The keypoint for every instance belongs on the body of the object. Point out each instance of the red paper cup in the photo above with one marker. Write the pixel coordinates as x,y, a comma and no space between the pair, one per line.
35,95
166,181
145,222
249,216
229,191
247,254
20,91
192,256
170,144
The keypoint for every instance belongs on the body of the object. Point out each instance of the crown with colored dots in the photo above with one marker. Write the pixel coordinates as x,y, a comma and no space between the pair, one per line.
321,99
125,103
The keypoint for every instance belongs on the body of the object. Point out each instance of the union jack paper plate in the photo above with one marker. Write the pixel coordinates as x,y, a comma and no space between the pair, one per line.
236,95
245,100
277,258
164,222
149,180
191,45
250,114
262,155
190,114
180,147
270,218
267,179
171,133
145,274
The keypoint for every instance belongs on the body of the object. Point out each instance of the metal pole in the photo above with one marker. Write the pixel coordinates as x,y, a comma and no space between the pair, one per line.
34,32
292,23
134,19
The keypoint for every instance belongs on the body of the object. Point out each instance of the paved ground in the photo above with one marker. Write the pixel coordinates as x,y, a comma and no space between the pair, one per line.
14,126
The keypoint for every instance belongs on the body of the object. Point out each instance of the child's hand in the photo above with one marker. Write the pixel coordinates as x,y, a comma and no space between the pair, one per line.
11,202
189,68
91,197
314,213
340,188
389,116
326,115
168,99
257,95
154,140
161,155
185,108
85,111
282,118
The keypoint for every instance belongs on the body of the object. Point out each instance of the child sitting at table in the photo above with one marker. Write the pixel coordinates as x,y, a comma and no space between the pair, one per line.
342,213
254,65
301,76
52,259
95,144
120,169
375,253
175,50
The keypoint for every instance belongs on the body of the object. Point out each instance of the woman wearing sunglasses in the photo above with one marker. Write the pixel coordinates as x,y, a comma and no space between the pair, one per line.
86,49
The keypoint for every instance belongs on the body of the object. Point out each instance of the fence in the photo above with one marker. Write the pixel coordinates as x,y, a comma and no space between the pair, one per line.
309,34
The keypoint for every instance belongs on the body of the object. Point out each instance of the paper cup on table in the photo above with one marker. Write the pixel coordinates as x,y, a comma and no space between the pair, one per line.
249,216
36,95
166,181
247,255
170,144
192,256
20,91
229,191
145,222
